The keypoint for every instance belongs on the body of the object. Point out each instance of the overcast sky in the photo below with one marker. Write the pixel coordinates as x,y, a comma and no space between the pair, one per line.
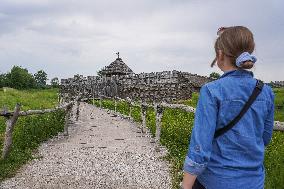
67,37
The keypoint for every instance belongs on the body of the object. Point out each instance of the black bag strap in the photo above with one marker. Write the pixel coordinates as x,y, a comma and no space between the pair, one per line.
255,93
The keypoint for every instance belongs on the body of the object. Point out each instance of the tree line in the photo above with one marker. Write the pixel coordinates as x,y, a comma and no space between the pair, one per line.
20,78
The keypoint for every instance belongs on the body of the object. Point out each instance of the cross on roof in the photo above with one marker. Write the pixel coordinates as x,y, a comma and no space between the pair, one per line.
117,54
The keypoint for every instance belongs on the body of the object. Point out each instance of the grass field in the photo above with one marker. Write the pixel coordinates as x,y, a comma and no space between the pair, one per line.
176,130
29,131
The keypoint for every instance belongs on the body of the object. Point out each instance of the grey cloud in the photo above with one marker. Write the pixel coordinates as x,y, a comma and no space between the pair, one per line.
67,37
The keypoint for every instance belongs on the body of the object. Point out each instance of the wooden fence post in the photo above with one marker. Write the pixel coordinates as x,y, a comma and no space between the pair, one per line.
159,115
93,99
58,98
10,124
143,117
100,102
130,109
78,110
115,104
67,117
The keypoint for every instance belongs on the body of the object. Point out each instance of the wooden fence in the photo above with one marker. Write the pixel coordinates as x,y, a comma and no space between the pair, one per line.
159,108
12,117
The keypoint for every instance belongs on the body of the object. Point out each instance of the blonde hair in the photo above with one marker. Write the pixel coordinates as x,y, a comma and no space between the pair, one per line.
233,41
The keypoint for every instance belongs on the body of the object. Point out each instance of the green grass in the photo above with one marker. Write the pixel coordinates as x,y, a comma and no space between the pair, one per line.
176,130
279,104
29,131
29,99
190,102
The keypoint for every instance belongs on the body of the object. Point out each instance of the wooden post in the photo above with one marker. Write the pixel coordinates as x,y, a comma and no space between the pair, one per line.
67,116
115,104
58,98
159,115
10,124
71,113
143,117
78,110
130,109
93,99
100,102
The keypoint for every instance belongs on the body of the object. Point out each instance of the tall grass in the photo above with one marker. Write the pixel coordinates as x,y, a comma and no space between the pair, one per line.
279,104
29,131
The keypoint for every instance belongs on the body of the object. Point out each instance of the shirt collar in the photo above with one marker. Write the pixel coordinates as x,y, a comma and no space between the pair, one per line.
242,73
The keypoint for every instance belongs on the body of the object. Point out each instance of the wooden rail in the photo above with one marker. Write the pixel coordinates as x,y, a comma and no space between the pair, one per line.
12,117
159,108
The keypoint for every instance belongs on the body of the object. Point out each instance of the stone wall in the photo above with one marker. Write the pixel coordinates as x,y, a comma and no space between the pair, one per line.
155,86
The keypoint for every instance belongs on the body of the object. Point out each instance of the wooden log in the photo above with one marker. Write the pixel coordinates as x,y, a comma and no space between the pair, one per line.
179,106
33,112
159,115
58,98
67,117
10,124
100,102
143,117
115,105
77,109
93,96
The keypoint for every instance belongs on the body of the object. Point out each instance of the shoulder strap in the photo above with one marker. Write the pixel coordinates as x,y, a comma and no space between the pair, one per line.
255,93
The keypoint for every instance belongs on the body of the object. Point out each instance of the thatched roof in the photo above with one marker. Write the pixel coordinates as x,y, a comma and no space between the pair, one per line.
117,67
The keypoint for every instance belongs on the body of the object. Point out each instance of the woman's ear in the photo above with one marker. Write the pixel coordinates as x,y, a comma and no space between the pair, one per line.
220,55
220,59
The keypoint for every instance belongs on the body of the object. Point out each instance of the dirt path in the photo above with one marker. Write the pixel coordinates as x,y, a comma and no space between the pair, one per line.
103,152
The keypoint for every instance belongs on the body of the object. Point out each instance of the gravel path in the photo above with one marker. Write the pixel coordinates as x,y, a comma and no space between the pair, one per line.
103,152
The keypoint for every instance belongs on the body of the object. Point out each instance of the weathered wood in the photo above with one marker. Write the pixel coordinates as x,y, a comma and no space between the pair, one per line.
159,115
67,117
100,102
130,108
179,106
77,110
154,86
143,117
58,98
115,105
93,100
10,123
33,112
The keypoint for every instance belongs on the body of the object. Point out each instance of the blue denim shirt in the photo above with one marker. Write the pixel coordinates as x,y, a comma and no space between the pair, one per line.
235,159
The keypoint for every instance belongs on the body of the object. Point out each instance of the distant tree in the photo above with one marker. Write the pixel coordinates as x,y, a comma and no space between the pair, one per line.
40,78
3,80
20,78
214,75
99,73
54,82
